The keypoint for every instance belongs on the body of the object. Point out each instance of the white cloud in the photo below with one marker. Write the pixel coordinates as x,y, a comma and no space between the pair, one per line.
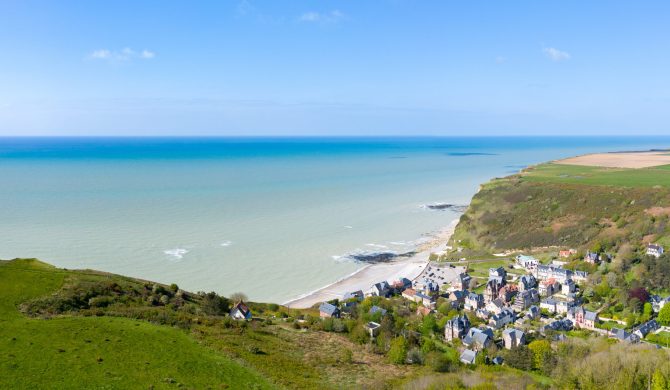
555,54
123,55
101,54
322,17
147,54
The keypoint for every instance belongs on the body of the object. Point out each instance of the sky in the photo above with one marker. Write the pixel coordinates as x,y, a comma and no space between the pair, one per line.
385,67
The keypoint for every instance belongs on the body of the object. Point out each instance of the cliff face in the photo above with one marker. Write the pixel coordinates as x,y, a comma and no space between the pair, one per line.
520,212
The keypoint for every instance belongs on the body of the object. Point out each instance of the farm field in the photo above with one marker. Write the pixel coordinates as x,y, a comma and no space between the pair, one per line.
592,175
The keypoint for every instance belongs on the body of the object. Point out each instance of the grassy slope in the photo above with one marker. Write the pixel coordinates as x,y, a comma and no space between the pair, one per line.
577,174
101,352
565,205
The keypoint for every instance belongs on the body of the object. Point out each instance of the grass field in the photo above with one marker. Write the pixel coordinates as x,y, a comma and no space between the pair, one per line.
99,352
577,174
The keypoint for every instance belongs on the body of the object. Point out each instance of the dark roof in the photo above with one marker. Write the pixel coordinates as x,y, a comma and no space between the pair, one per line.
328,308
468,356
353,295
590,315
377,309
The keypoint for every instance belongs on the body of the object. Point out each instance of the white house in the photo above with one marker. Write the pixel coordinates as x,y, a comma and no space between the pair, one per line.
654,250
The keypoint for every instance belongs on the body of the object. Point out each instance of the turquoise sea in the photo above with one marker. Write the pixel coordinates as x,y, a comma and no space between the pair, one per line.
271,217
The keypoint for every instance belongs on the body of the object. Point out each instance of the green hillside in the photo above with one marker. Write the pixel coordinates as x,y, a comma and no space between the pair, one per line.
98,352
569,206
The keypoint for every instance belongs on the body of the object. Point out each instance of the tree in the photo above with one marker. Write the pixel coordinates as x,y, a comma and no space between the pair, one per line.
438,361
541,353
647,311
214,305
521,358
398,352
658,381
238,296
664,315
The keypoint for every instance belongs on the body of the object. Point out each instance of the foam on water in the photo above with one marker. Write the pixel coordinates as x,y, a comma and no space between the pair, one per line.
177,253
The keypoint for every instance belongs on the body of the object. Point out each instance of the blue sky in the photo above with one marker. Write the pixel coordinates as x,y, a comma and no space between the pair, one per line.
334,67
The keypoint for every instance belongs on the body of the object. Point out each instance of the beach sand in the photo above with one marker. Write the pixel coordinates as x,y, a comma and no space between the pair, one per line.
410,268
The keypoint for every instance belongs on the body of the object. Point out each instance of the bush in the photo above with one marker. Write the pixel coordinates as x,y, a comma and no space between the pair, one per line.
438,362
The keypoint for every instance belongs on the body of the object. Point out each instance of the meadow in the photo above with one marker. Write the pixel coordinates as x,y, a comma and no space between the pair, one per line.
590,175
101,352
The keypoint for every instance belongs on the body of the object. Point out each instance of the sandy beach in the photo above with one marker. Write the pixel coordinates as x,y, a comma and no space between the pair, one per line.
410,268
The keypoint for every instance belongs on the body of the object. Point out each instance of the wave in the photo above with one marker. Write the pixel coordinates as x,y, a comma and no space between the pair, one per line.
377,246
177,253
226,243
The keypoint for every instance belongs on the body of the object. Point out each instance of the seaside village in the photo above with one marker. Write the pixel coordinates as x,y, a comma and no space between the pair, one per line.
504,307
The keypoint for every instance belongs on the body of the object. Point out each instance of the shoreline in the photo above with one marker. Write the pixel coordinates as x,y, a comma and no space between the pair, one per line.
364,277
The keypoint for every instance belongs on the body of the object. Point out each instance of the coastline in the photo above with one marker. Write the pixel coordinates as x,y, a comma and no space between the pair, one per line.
363,278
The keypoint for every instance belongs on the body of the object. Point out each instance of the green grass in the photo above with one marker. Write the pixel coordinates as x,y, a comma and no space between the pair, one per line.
662,338
578,174
99,352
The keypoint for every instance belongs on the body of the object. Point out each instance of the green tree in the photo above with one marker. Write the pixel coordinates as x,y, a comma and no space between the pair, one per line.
664,315
647,310
658,381
428,325
398,352
541,352
521,358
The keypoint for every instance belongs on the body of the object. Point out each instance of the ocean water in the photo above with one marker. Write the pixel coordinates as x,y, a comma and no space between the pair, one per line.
271,217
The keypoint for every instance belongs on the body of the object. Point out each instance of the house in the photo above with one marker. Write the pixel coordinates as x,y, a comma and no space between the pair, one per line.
584,319
457,298
497,273
544,272
549,304
462,281
526,282
549,287
372,328
240,311
643,330
513,338
526,299
592,258
401,284
527,262
468,356
507,292
654,250
563,307
566,253
410,294
478,338
473,301
381,289
568,287
456,328
533,312
376,309
658,302
498,360
505,317
559,325
495,306
623,335
426,300
354,295
483,314
580,276
326,310
493,286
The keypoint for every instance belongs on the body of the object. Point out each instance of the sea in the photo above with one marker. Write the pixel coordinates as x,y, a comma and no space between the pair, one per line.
273,218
